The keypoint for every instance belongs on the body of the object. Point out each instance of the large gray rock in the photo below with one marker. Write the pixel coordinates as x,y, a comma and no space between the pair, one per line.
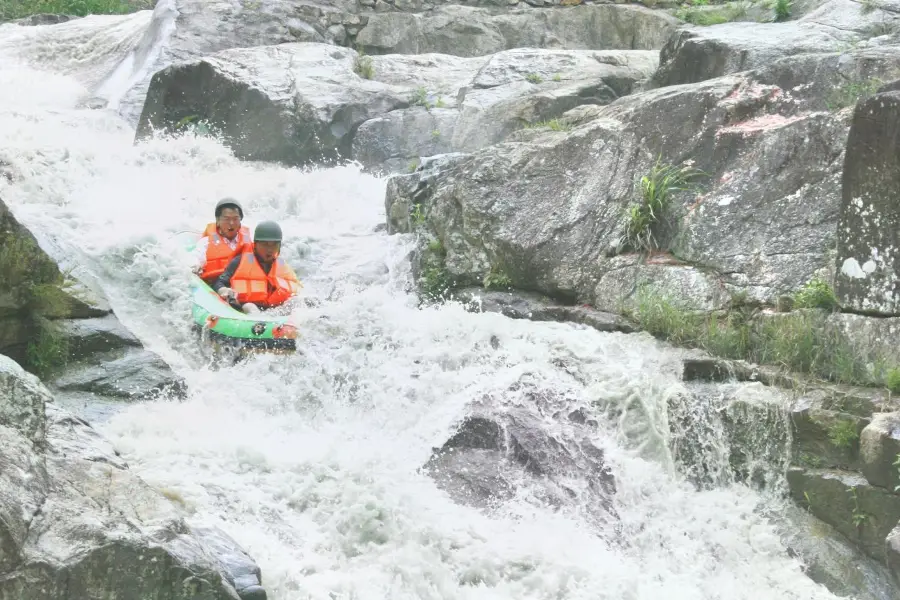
22,401
75,522
695,54
500,449
470,31
864,513
550,211
832,81
183,30
868,244
293,103
879,446
510,90
87,347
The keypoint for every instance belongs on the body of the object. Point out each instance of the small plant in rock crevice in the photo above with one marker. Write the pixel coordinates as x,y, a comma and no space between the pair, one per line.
782,10
363,66
552,124
892,380
816,293
434,279
653,210
859,517
496,278
842,434
533,78
848,94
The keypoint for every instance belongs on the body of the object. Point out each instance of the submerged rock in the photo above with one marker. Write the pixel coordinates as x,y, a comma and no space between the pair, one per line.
76,523
498,451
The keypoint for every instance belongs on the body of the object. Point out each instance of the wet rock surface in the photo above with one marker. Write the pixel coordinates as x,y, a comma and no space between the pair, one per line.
77,523
498,451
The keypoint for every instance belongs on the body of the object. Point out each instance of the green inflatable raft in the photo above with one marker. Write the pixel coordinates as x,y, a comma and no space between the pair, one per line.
225,325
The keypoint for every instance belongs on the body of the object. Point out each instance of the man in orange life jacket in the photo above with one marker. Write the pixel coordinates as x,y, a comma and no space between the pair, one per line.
221,241
258,277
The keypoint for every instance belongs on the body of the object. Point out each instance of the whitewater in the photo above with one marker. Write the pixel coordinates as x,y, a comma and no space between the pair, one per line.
312,462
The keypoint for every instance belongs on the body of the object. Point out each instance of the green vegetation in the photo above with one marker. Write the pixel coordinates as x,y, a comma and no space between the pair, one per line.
798,341
892,380
711,16
39,289
782,10
657,188
17,9
363,66
533,78
496,278
842,434
552,124
852,92
434,279
816,294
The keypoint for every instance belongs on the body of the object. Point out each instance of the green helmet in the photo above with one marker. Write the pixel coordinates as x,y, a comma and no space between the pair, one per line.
267,231
228,203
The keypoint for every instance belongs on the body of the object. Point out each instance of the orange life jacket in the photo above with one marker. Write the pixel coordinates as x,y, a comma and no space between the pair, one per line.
219,254
252,284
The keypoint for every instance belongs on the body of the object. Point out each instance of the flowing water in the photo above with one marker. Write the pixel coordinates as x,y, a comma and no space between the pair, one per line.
311,462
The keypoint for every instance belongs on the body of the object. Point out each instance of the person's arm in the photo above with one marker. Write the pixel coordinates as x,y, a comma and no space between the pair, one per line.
200,255
224,280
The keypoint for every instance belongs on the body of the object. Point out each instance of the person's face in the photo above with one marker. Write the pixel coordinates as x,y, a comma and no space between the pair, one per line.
229,222
267,251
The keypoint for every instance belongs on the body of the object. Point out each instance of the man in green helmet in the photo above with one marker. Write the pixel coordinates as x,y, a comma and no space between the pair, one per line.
259,278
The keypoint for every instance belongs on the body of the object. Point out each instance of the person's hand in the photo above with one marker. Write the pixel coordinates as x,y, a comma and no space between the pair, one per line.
227,293
197,270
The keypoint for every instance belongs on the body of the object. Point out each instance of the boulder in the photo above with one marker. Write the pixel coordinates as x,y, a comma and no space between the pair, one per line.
536,307
32,288
550,212
76,523
824,438
868,245
879,446
184,30
695,54
63,327
863,513
293,103
498,450
23,399
832,81
471,31
510,90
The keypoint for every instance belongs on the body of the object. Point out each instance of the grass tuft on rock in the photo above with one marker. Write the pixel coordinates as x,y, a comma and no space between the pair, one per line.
798,341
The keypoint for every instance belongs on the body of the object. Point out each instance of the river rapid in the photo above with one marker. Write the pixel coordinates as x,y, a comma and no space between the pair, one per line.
312,462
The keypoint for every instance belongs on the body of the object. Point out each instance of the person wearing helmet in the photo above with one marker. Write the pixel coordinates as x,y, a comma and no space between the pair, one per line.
221,241
259,278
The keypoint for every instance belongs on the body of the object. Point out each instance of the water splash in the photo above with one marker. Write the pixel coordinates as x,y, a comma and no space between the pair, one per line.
312,462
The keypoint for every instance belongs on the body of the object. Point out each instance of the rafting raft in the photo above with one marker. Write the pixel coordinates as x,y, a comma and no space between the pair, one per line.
224,324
